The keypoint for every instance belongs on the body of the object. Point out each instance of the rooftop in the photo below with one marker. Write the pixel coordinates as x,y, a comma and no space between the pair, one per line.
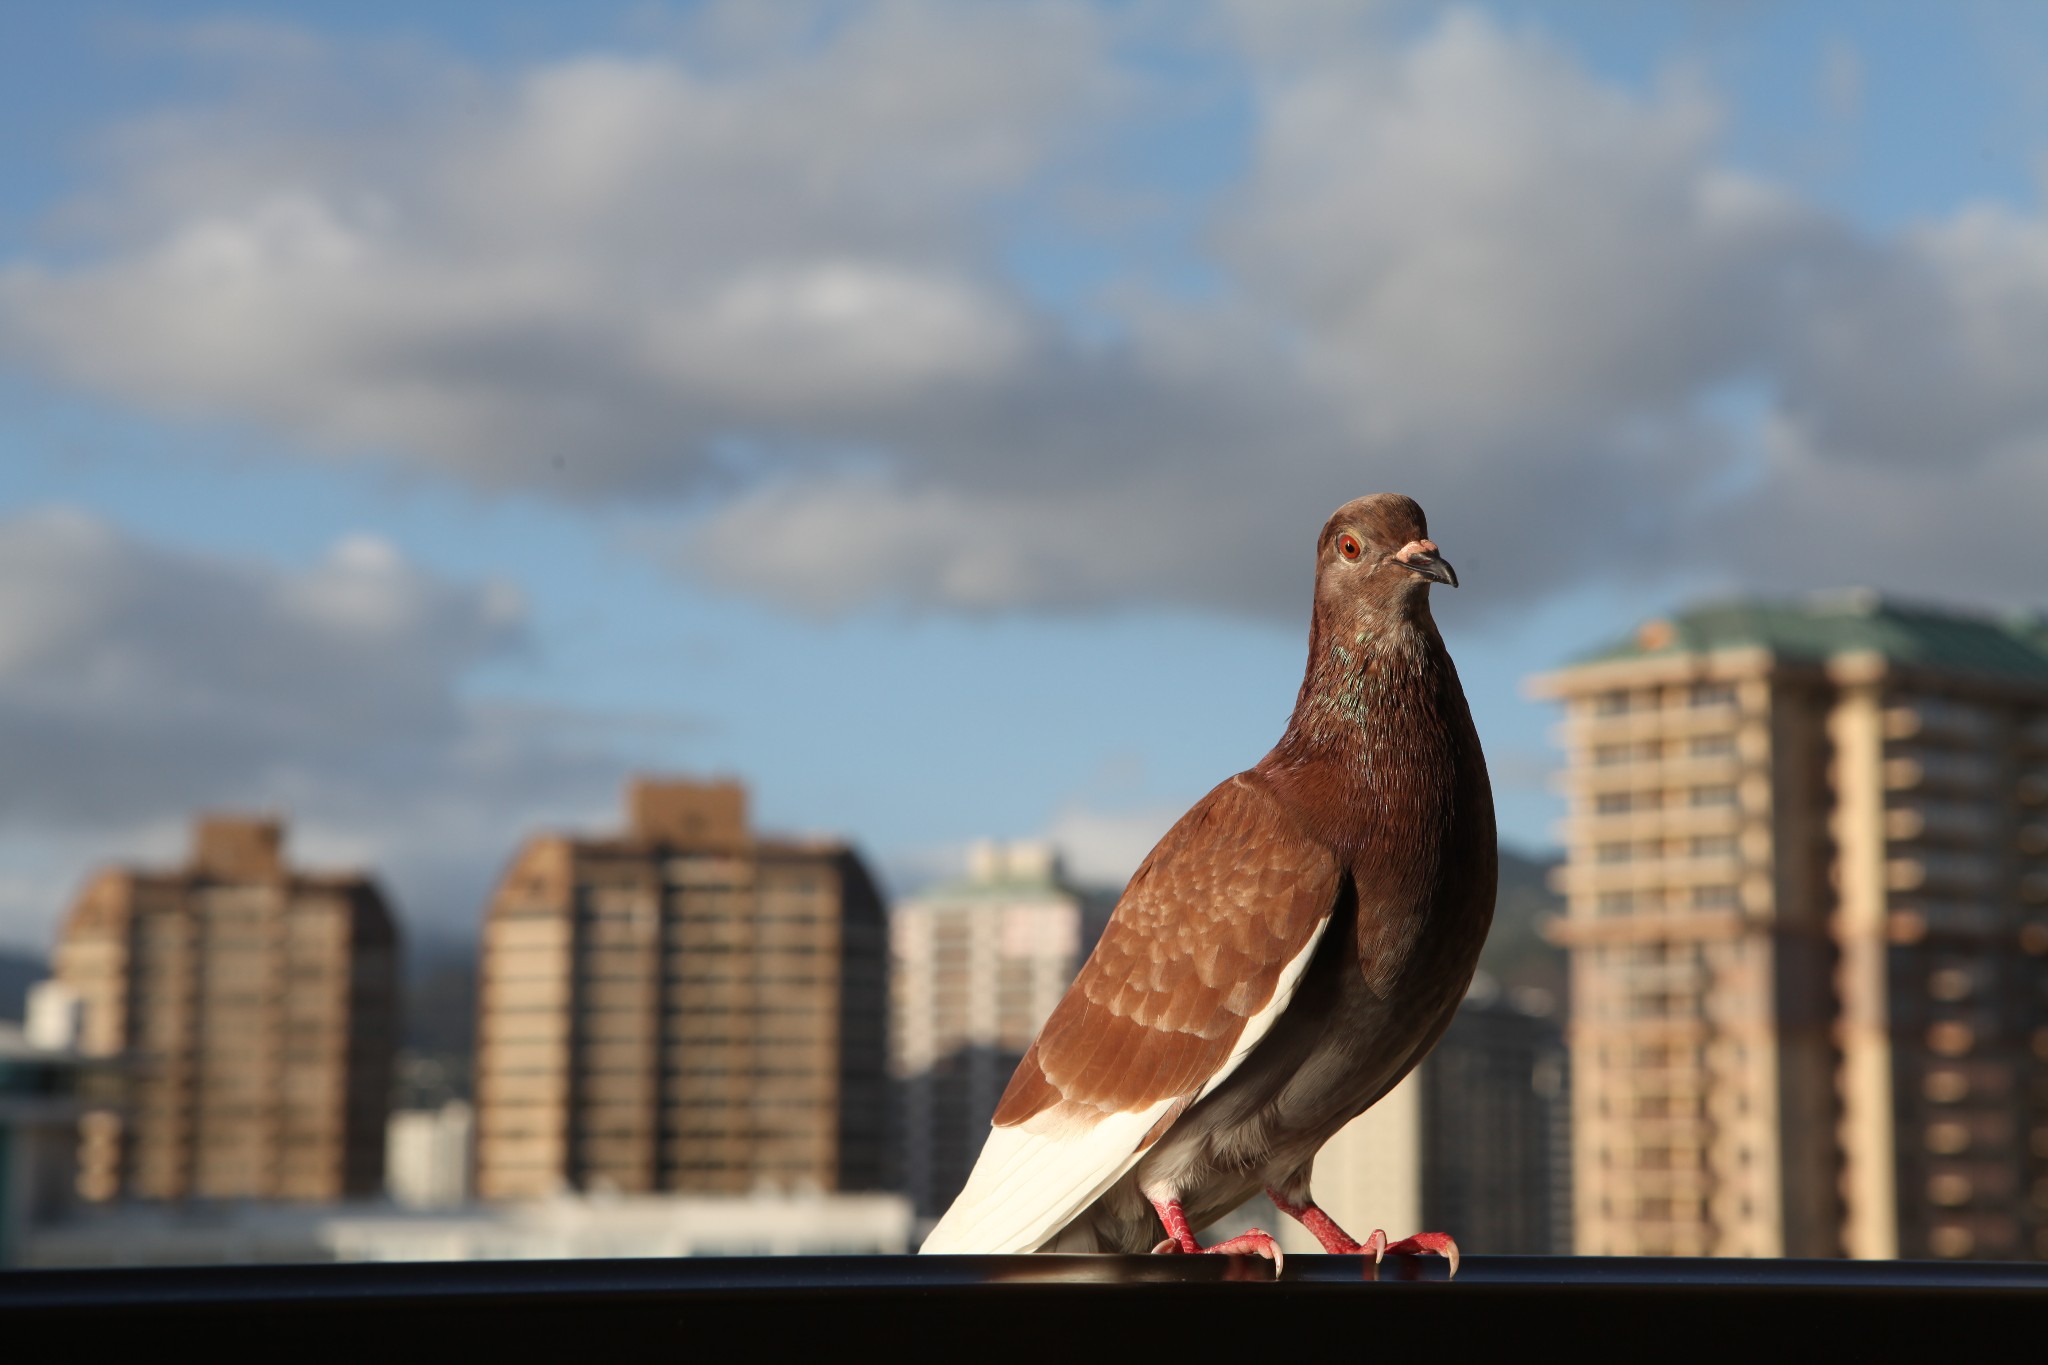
1858,621
1004,871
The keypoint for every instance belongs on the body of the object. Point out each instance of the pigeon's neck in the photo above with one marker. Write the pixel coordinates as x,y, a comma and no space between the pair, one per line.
1372,718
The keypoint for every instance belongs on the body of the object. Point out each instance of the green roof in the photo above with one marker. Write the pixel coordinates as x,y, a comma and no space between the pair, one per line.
1844,623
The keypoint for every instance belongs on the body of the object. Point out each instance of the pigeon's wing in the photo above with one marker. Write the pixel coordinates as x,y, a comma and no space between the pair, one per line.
1203,953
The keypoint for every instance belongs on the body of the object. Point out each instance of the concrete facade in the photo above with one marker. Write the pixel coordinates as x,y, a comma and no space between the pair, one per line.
430,1160
255,1006
682,1007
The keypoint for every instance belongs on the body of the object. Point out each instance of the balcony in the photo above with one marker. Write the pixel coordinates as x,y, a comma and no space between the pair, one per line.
1674,722
1669,773
1680,821
1643,874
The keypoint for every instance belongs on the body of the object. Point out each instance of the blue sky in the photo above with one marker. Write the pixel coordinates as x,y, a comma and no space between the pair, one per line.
416,420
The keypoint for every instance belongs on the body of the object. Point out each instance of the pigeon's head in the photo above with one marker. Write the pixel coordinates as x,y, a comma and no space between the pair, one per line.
1375,555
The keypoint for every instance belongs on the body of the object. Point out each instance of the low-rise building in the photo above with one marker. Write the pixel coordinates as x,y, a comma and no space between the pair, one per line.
46,1087
566,1227
430,1156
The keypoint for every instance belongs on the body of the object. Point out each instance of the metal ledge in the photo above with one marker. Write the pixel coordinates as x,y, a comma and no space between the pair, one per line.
1056,1309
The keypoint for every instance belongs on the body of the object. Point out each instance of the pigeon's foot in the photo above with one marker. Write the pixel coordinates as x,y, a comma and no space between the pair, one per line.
1180,1238
1335,1240
1427,1243
1338,1242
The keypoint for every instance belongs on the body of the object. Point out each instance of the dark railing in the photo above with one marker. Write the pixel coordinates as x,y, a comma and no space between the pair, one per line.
1054,1310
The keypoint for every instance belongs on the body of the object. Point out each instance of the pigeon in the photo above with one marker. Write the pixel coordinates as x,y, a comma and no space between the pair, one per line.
1293,946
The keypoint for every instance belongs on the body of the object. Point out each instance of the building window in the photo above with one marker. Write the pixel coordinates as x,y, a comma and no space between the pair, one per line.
1713,694
1607,755
1611,703
1614,853
1712,746
1713,897
1616,902
1720,794
1713,846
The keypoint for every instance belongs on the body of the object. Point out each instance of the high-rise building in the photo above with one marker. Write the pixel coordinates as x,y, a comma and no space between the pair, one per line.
255,1005
976,967
684,1006
1808,885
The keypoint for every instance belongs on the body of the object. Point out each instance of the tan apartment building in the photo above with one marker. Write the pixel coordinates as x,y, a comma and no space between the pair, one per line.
976,966
256,1008
686,1005
1807,877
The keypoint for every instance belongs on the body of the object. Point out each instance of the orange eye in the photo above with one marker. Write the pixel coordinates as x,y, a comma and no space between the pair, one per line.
1348,546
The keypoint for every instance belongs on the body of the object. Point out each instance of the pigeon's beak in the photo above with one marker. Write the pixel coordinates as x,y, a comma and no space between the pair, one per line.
1421,557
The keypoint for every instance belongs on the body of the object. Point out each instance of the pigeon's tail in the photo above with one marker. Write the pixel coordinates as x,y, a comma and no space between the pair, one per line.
1028,1185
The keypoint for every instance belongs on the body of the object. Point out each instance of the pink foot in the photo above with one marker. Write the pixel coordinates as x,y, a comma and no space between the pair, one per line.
1180,1239
1252,1243
1428,1243
1335,1240
1340,1243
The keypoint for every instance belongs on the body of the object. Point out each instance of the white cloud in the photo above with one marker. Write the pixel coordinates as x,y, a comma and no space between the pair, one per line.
1460,266
138,682
1098,847
603,262
1104,847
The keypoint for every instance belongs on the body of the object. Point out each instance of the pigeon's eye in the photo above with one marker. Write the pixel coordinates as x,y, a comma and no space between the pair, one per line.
1348,546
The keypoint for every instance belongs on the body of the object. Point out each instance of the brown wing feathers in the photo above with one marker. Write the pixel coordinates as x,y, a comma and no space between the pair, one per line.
1196,947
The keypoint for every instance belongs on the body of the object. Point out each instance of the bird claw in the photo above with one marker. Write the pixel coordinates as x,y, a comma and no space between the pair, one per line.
1426,1243
1253,1243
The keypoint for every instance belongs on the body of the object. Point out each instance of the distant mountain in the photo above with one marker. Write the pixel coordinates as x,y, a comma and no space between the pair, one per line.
1516,953
18,971
438,1038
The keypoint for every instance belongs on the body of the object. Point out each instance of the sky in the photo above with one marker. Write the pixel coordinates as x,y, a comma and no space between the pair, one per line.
413,420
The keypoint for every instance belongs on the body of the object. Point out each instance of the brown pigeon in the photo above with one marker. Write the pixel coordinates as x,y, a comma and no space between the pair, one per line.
1288,952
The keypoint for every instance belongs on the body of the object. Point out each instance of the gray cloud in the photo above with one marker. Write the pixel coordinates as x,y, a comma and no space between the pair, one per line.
137,681
759,282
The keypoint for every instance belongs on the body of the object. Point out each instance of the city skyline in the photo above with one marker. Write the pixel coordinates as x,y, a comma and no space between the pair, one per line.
415,422
1806,895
